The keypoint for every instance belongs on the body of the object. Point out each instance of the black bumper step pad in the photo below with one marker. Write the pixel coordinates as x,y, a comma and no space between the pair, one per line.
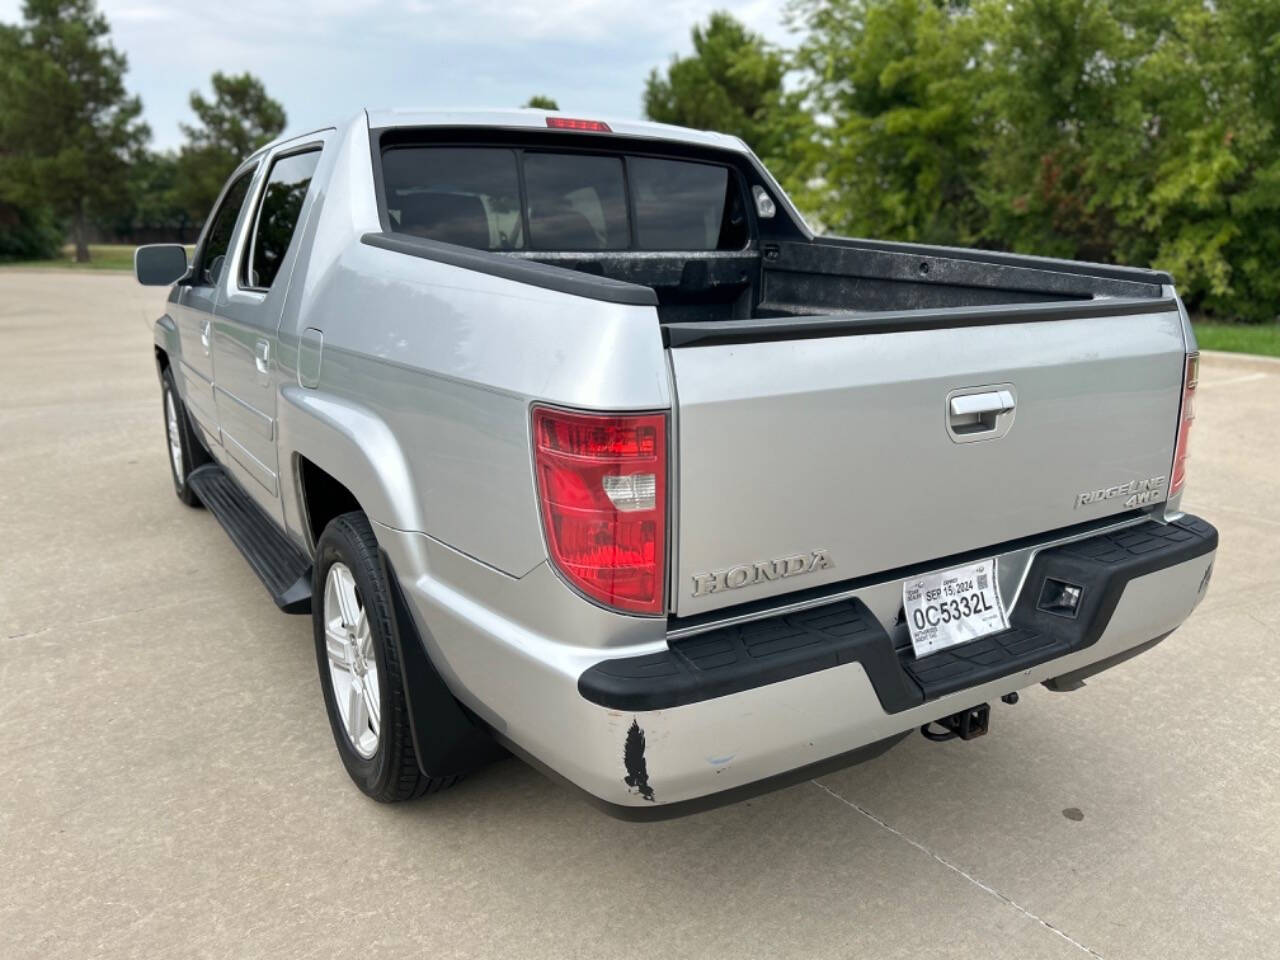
741,657
283,569
736,658
1102,565
998,655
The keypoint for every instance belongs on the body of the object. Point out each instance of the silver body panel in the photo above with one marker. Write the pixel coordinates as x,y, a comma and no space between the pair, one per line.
503,649
841,443
410,381
192,313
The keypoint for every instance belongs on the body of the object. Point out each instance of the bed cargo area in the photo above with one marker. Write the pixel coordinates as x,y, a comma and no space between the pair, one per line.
706,230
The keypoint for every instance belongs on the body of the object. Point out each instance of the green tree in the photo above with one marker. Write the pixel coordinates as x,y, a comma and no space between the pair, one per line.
154,209
68,128
239,119
1070,125
901,144
27,233
1212,217
541,101
734,83
1145,132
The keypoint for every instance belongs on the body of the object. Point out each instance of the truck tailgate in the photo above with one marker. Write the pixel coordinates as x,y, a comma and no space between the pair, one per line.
863,452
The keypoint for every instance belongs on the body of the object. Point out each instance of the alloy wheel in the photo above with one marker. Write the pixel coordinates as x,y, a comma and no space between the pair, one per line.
353,667
175,434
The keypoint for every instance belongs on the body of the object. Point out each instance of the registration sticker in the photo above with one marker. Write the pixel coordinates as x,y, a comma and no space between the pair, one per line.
953,606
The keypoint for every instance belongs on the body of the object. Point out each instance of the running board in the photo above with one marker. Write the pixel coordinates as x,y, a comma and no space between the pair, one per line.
283,569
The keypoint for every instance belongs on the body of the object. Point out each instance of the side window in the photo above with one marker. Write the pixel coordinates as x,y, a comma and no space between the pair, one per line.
464,195
222,225
278,213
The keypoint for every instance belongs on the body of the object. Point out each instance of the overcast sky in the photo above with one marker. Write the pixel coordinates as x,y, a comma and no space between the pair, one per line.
325,59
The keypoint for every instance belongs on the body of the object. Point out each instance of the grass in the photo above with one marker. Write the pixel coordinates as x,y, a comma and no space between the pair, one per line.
1261,338
102,256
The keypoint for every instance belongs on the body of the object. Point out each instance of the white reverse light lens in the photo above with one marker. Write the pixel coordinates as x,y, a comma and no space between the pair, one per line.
636,491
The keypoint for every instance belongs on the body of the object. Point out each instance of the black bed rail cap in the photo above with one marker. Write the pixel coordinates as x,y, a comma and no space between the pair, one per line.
522,271
716,332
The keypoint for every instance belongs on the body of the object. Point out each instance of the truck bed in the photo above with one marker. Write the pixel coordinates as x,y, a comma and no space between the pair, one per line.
833,275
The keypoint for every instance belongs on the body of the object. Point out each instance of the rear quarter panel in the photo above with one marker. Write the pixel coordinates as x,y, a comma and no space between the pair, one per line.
450,361
431,370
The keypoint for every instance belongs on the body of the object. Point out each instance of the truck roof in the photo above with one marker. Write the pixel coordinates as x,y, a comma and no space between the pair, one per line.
537,120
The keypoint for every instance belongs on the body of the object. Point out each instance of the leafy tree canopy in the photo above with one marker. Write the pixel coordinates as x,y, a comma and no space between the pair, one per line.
542,102
1145,132
68,127
733,83
899,146
239,119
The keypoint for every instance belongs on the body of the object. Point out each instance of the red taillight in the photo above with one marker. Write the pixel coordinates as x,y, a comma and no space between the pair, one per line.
1185,417
569,123
602,486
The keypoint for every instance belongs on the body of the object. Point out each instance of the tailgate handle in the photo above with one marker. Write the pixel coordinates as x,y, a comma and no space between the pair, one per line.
981,413
973,404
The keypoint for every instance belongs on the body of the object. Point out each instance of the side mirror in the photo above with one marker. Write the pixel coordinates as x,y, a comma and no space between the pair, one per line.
160,264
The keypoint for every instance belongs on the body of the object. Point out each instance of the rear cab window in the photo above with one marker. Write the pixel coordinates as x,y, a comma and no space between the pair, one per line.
575,202
533,199
462,195
683,206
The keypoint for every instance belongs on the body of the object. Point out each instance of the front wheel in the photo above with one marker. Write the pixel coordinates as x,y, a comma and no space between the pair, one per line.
360,673
185,450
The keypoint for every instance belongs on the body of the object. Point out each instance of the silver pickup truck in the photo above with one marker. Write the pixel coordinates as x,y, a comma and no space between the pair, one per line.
576,442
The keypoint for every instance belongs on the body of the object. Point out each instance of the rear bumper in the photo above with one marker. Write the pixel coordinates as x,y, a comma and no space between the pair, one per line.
738,658
663,729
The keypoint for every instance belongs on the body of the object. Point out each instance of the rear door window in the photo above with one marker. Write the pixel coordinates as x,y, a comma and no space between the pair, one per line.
464,195
278,214
576,202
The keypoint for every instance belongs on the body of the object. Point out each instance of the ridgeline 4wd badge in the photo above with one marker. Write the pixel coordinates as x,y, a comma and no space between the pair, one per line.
1139,493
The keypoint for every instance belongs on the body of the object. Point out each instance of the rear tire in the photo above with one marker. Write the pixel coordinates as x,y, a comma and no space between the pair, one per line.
360,671
185,450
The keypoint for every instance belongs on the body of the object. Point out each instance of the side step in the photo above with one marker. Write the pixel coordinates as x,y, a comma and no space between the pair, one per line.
283,569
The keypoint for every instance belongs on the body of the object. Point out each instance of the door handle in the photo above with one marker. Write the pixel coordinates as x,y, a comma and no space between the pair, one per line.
262,358
975,404
204,337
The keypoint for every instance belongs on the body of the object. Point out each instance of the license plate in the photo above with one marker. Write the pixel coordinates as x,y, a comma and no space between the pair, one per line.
953,606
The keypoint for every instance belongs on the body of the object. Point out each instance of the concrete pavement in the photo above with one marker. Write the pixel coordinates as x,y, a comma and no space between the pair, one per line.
171,789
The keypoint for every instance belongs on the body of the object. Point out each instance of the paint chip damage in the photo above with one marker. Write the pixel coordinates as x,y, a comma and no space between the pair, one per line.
637,777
